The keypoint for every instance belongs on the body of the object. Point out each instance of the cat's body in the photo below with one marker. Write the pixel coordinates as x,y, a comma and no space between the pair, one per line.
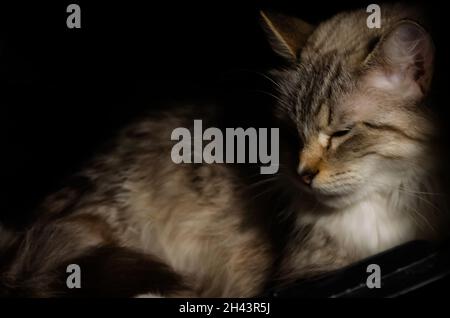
192,226
191,217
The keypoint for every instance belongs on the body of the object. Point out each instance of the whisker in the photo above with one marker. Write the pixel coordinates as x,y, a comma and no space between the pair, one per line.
278,99
423,218
418,195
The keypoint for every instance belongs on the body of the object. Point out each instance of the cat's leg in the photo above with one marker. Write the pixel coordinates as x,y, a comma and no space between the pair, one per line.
114,271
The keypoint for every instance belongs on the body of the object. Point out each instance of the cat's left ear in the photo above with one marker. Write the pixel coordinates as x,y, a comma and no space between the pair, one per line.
403,60
287,35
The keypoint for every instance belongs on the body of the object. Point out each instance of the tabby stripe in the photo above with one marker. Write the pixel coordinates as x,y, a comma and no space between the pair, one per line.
392,129
368,153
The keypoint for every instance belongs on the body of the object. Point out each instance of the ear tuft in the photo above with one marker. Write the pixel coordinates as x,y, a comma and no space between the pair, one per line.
287,35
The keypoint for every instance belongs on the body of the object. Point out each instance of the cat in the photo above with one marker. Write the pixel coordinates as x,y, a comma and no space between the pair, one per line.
357,176
369,156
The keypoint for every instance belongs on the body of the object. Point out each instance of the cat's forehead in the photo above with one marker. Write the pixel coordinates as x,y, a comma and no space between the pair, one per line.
322,84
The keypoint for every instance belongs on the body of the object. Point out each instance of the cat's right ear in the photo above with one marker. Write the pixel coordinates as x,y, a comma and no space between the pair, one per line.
287,35
403,60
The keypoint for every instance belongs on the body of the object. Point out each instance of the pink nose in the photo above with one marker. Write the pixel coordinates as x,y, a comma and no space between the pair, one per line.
308,175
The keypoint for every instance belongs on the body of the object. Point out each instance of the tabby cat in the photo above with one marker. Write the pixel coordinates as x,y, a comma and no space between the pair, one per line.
362,178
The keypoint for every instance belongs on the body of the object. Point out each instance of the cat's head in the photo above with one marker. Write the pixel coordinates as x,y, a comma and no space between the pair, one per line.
354,97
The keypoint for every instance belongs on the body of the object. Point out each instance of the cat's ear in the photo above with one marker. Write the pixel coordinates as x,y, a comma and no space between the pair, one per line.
403,60
287,35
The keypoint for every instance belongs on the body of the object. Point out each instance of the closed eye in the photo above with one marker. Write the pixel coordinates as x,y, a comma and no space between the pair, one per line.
340,133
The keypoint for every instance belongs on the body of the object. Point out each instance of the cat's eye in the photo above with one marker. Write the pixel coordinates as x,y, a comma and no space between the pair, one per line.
341,133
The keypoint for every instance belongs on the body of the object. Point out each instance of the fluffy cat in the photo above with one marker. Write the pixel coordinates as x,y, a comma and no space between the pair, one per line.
361,180
357,99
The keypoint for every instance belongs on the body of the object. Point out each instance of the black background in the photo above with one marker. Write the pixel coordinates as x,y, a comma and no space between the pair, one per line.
65,91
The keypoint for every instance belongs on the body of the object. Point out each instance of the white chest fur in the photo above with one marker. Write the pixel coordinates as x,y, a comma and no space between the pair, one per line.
367,227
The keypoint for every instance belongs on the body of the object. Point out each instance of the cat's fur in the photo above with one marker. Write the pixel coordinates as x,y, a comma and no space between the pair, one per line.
138,223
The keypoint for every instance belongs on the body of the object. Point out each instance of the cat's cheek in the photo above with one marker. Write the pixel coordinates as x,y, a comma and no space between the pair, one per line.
376,172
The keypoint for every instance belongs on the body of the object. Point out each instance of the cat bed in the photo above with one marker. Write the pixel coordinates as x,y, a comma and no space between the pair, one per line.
413,269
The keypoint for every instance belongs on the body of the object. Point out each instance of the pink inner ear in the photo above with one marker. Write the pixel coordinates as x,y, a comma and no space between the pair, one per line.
393,82
405,66
385,80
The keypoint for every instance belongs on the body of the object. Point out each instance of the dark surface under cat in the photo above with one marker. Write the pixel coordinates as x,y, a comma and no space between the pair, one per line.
415,269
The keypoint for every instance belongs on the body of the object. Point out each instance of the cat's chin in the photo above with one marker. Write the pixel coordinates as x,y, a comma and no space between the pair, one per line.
337,200
333,200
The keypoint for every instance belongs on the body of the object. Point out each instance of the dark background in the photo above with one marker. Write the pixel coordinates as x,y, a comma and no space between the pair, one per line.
66,91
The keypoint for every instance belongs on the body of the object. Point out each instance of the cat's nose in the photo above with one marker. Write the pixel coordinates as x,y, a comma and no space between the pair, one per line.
307,175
